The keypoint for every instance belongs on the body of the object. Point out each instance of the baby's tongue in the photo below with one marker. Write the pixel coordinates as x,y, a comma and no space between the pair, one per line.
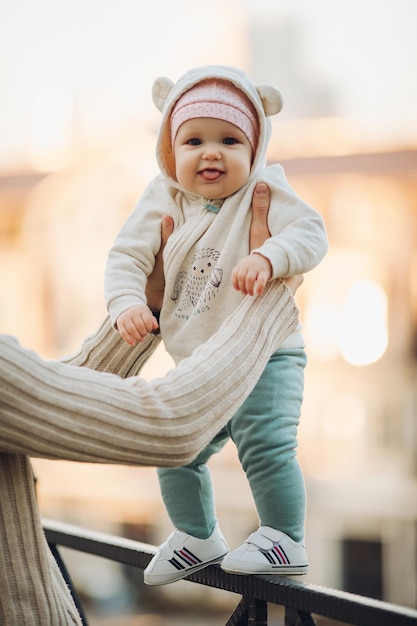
210,174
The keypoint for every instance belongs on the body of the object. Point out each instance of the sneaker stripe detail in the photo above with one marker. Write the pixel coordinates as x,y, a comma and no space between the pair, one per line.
286,559
276,555
269,557
282,557
190,556
185,556
176,564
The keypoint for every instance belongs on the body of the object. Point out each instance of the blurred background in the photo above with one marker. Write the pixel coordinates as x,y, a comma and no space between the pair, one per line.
77,136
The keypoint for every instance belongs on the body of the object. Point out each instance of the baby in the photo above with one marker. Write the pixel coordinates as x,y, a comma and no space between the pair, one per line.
211,149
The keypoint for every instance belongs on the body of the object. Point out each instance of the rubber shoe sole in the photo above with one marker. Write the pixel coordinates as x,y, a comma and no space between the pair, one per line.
236,567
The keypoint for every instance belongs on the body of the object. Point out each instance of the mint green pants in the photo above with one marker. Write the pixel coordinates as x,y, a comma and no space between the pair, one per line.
264,430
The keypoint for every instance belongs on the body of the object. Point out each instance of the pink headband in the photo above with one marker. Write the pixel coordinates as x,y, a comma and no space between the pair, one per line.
218,99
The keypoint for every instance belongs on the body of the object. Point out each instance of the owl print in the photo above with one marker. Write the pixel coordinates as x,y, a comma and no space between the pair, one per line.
194,289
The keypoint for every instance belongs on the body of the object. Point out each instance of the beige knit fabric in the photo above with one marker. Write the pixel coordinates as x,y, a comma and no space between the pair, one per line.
105,351
53,410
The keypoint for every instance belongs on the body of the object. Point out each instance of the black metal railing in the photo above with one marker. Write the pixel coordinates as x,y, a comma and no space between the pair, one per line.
301,601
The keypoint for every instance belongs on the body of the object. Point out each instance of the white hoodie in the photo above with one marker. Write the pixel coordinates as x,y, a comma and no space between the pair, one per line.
209,238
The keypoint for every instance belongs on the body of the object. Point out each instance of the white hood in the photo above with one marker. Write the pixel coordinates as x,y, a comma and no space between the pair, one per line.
266,99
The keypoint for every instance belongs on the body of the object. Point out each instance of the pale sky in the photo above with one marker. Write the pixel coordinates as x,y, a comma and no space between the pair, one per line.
101,56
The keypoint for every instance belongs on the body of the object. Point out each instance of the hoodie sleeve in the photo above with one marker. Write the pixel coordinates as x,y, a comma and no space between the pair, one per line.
132,256
299,239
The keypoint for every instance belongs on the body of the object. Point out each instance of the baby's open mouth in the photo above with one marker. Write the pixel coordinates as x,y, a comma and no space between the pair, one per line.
209,174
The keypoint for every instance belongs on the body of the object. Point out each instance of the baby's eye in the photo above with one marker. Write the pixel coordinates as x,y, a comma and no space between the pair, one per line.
194,141
230,141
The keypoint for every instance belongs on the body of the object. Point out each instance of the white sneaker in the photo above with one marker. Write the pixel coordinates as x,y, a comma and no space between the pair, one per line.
182,554
267,551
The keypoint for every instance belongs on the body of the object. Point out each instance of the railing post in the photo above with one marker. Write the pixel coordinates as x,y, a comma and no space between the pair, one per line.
298,618
249,612
62,568
257,612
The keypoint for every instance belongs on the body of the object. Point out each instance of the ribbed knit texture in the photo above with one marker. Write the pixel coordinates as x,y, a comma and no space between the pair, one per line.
106,351
32,591
53,410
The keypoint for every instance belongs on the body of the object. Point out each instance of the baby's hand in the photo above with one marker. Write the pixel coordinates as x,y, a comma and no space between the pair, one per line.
135,323
251,274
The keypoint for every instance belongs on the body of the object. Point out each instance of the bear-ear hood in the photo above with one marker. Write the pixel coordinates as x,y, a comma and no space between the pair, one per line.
266,100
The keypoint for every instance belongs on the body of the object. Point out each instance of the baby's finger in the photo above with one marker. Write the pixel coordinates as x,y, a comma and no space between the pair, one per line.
260,283
127,336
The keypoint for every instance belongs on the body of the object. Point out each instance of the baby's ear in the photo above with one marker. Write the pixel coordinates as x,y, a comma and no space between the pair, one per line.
271,99
160,91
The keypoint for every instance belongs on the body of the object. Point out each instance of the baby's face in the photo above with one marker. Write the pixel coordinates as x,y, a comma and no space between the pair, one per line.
212,157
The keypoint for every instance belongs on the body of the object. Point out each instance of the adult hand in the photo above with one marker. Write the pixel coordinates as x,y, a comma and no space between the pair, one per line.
253,272
156,281
259,231
138,321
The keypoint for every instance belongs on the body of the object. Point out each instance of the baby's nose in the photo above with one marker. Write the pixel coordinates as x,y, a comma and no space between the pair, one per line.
212,152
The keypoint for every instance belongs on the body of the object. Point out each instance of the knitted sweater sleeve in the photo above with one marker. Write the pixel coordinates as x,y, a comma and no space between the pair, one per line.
53,410
106,351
